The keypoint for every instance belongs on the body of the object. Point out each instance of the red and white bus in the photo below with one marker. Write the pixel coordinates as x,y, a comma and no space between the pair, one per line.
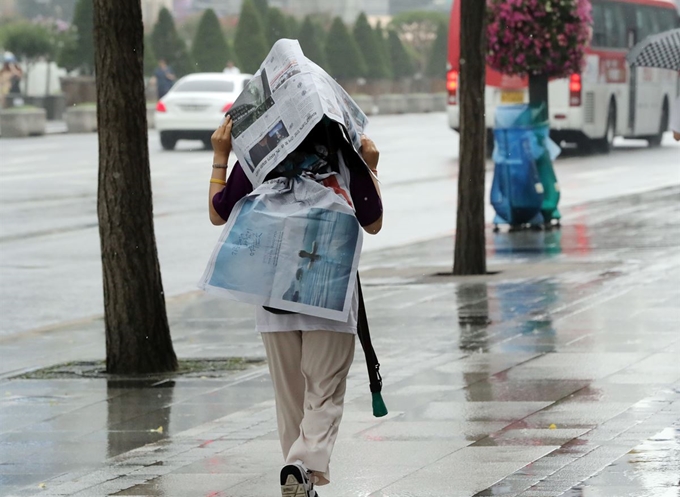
607,98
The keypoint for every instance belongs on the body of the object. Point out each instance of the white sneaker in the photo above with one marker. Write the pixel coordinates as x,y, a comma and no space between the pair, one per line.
295,481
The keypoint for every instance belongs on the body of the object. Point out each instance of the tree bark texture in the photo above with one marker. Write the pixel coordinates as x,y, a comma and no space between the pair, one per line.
470,249
137,332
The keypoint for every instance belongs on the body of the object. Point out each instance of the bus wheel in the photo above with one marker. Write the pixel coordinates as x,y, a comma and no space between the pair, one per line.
655,140
606,143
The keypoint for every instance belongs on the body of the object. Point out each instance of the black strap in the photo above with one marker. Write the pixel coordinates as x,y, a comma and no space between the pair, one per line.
365,338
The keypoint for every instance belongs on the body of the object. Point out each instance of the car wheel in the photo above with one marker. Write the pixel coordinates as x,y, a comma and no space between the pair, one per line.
606,143
168,140
655,140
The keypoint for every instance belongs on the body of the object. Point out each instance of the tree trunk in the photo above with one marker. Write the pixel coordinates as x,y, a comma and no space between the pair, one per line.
470,250
538,94
137,332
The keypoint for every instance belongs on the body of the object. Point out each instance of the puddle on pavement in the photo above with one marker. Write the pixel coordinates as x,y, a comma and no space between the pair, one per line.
649,470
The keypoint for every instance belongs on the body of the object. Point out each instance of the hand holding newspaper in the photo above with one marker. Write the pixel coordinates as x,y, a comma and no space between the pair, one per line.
280,105
293,243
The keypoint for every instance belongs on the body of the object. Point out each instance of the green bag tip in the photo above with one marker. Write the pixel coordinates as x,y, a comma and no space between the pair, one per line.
379,409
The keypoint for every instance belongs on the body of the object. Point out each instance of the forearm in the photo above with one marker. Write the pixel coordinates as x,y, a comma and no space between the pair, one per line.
376,225
217,184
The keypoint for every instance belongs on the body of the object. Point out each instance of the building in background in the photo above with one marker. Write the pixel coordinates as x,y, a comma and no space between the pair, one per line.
151,8
30,9
347,9
8,9
399,6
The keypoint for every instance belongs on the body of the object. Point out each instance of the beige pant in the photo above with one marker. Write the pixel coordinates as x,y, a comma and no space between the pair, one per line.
309,371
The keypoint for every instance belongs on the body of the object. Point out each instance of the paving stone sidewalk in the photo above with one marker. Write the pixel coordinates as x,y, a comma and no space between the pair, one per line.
558,375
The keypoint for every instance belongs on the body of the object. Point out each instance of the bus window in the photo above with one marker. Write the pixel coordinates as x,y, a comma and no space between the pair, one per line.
615,26
642,25
666,20
599,34
646,22
653,20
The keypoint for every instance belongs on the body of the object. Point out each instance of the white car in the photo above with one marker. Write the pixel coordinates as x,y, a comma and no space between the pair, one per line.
195,106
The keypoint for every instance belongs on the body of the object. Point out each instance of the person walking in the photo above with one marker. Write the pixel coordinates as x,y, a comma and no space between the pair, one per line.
308,357
230,68
10,77
165,78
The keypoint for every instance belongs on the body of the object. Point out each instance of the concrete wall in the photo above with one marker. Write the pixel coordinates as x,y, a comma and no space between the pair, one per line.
20,123
402,103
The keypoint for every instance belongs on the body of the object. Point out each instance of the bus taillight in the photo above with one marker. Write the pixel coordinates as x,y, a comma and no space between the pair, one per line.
452,86
575,87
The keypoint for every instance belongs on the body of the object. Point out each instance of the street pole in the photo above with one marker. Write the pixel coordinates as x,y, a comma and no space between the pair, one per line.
538,94
470,246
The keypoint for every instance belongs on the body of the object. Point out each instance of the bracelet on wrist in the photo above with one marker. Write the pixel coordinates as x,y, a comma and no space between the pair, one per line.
218,181
220,166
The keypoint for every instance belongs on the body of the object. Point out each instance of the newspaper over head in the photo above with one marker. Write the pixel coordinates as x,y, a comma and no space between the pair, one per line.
294,242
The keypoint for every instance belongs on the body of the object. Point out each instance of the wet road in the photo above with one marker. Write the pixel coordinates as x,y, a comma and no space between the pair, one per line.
49,244
557,374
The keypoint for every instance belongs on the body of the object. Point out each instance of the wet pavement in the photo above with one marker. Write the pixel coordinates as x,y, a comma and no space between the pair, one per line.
556,375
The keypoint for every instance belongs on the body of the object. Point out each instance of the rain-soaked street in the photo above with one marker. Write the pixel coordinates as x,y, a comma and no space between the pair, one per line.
556,374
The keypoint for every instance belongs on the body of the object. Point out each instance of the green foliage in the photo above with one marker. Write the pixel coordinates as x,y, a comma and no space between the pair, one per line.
210,50
342,53
371,51
436,66
420,29
277,26
79,53
5,28
29,41
66,47
381,39
402,66
293,26
311,41
150,61
262,7
168,45
250,43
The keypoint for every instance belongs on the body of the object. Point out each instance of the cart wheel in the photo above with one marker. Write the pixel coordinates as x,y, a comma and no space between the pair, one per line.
496,229
558,225
536,227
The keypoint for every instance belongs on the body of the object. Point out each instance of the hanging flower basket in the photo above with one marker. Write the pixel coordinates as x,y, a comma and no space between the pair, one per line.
532,37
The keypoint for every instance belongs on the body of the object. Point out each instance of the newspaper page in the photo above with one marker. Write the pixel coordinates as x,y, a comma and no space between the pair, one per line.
281,104
292,244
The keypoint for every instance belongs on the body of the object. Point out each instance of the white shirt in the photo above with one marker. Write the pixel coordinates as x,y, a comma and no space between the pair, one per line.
266,322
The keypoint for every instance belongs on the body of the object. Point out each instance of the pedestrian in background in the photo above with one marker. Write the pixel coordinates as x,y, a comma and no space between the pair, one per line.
165,78
309,357
230,68
10,79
